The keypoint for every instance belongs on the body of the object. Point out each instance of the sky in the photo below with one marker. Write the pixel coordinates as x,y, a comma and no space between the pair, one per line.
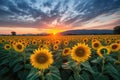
45,16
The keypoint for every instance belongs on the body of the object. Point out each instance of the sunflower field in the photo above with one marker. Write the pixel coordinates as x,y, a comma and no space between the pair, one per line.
74,57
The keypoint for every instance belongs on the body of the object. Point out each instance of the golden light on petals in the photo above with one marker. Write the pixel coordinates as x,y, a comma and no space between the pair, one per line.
66,52
7,46
80,52
41,59
115,47
103,50
19,47
96,45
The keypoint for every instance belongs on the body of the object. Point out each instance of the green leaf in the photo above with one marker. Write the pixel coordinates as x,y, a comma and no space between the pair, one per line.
5,61
99,76
77,77
87,67
85,75
65,73
57,61
3,56
49,77
4,70
15,61
33,75
110,59
97,60
17,67
54,74
23,74
112,71
28,66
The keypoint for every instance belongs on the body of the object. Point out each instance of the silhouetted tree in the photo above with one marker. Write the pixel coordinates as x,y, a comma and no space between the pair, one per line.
117,30
13,33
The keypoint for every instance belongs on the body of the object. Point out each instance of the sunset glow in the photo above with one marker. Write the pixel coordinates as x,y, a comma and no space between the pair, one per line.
54,16
54,31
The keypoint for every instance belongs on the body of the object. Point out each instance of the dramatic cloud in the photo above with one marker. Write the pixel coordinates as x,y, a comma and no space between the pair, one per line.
61,14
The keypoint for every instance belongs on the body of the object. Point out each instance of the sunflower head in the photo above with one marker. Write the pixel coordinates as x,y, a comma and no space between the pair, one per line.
108,41
57,42
66,43
117,41
34,42
19,47
66,52
115,47
55,47
44,46
103,50
7,46
80,52
41,59
85,40
48,43
96,45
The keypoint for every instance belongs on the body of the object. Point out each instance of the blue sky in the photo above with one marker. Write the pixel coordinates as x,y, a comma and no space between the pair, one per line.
37,16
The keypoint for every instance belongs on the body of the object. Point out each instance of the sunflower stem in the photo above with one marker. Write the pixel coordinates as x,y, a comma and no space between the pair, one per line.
77,70
24,59
118,55
42,74
103,64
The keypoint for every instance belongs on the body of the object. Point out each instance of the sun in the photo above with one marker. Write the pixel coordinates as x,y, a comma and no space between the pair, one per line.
54,31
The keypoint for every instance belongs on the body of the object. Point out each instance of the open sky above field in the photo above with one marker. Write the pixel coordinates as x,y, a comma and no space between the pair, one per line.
39,16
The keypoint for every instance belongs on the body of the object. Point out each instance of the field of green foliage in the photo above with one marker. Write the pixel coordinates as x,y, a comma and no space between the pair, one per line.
80,57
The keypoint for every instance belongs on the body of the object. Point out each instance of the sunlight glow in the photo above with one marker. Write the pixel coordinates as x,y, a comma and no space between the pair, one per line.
54,31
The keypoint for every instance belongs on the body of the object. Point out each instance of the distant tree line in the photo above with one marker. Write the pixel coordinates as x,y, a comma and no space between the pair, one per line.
116,30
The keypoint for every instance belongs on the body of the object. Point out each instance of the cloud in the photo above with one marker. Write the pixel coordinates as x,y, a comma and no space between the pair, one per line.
40,14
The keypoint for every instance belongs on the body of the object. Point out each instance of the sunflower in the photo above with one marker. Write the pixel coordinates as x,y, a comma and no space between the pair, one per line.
34,42
115,47
66,43
80,52
96,45
103,50
117,41
55,47
57,42
66,52
43,46
2,40
85,40
108,41
7,46
41,59
19,47
94,40
48,43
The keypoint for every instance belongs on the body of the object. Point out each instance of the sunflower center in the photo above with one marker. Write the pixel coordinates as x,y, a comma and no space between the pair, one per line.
96,45
114,46
85,40
66,51
3,41
65,42
56,42
7,46
41,46
80,52
41,58
118,42
103,51
19,46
